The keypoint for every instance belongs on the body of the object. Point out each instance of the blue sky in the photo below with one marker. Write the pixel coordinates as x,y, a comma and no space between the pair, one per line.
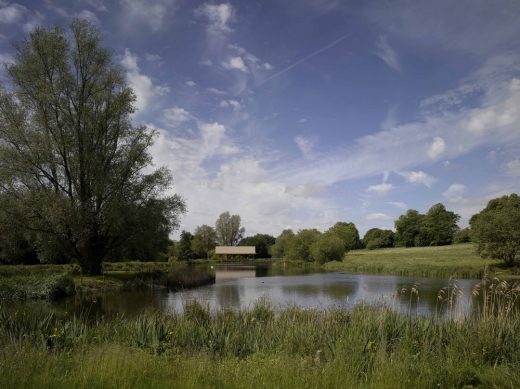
302,113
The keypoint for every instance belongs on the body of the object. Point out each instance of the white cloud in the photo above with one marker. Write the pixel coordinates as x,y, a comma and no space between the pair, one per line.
377,216
216,91
302,120
513,168
219,17
387,53
418,177
90,16
175,116
20,15
397,204
155,58
405,146
437,147
306,145
239,183
455,192
12,13
151,13
230,103
144,89
381,188
267,66
236,63
191,83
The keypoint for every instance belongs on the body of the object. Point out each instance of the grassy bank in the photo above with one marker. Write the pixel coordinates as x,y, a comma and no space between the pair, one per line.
22,282
261,348
458,260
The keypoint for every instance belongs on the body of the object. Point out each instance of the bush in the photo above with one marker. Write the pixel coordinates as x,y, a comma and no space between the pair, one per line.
327,248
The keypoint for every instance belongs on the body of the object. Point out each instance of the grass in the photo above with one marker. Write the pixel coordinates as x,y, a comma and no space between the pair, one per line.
375,348
458,261
22,282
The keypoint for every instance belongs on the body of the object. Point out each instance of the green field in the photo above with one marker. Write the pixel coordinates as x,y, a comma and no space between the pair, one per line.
458,260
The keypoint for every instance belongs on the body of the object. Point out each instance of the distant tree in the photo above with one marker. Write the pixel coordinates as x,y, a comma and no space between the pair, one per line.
496,229
376,238
228,229
183,248
407,228
72,165
204,240
279,247
262,242
328,247
437,227
462,236
298,246
348,233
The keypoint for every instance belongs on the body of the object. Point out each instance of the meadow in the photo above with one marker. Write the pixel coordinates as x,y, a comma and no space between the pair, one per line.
457,261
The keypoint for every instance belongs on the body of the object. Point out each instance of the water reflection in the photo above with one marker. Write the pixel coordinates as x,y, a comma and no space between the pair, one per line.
239,287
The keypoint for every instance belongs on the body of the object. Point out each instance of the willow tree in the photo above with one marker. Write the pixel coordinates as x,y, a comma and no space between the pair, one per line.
74,169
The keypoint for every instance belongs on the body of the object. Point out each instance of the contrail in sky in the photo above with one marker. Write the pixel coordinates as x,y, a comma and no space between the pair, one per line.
306,58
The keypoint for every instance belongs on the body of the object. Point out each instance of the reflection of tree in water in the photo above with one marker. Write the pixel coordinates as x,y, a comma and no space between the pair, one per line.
94,307
228,295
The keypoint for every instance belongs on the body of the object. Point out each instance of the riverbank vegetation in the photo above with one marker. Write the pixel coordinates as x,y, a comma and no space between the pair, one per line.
22,282
262,347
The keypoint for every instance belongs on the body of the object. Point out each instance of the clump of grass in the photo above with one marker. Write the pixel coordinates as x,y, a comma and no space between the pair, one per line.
45,286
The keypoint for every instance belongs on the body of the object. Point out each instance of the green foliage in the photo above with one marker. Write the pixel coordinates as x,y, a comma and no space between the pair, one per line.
462,236
73,168
228,229
407,228
496,229
348,233
183,248
328,247
279,247
262,242
204,241
376,238
298,247
36,286
437,227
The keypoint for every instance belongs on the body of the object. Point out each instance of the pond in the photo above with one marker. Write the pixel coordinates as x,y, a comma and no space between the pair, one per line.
240,287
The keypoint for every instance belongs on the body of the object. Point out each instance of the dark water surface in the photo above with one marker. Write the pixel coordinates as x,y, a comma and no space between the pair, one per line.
240,287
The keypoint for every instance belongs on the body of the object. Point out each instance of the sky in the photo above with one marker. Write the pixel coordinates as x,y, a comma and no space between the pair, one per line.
302,113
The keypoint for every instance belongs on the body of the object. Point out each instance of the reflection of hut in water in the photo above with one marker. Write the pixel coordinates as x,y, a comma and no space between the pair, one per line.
225,252
225,274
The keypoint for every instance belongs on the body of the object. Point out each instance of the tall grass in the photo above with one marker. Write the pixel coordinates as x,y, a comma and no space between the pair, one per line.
262,347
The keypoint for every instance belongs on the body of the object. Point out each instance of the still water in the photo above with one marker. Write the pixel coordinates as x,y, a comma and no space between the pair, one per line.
240,287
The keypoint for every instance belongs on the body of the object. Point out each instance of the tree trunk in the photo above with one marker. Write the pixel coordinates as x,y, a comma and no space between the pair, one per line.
92,252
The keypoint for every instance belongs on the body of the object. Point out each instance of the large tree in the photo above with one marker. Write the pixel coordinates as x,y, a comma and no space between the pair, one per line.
204,240
280,245
437,227
73,168
348,233
496,229
262,242
228,229
407,228
376,238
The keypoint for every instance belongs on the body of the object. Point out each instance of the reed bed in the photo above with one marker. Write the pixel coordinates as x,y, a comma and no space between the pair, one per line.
264,347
